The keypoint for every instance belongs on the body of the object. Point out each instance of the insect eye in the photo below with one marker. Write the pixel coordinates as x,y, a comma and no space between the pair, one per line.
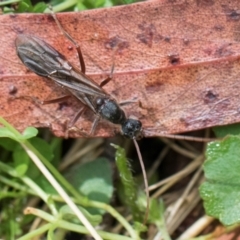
130,134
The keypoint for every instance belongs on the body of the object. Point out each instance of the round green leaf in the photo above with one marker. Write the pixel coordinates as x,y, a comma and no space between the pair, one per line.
93,179
221,191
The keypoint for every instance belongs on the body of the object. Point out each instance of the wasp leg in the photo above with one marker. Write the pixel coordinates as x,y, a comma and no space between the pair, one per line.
76,117
126,102
106,81
73,121
109,78
94,125
44,102
69,37
55,100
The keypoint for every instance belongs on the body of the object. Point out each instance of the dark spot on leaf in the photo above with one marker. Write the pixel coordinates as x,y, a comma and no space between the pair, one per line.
218,28
184,121
205,3
223,51
236,32
148,33
140,104
62,105
18,30
122,45
208,51
210,96
40,20
186,41
172,1
235,15
50,18
167,39
231,14
111,43
174,59
152,87
13,15
12,90
75,20
116,42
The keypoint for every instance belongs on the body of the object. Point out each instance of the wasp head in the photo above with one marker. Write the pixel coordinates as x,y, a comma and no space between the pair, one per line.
132,128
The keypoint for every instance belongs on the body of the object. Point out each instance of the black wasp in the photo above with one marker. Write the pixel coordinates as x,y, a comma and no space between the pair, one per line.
45,61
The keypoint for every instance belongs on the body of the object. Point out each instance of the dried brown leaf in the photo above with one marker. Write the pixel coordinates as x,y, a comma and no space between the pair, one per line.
180,59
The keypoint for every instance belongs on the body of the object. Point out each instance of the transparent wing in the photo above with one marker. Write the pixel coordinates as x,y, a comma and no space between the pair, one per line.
44,60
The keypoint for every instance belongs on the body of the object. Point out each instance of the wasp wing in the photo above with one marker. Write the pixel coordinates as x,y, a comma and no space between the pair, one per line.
44,60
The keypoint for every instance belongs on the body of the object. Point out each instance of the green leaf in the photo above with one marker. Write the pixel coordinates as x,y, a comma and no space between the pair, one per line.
81,6
21,161
129,185
30,132
56,148
40,7
8,144
221,190
139,227
27,133
33,172
7,10
156,211
5,132
93,179
8,2
45,185
24,6
222,131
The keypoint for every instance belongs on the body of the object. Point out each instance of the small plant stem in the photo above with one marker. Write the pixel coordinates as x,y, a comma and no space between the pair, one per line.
70,226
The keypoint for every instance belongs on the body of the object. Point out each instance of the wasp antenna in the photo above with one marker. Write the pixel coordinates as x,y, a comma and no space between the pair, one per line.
180,137
188,138
145,180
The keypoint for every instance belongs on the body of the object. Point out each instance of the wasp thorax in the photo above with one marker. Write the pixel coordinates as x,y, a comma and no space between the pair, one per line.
110,110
